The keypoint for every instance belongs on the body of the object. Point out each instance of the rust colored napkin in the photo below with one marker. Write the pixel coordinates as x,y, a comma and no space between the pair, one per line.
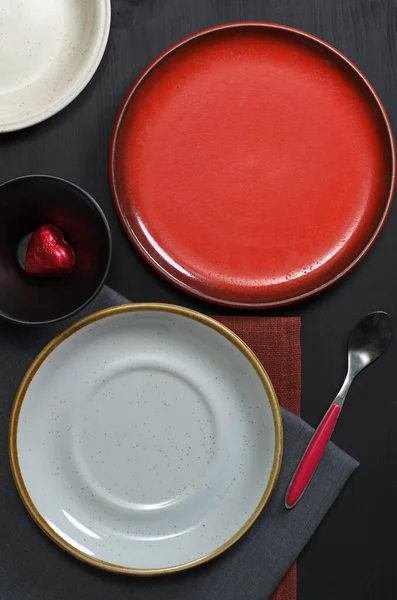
33,568
276,342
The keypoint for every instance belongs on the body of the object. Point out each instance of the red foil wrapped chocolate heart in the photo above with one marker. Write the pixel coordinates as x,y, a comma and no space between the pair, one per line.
48,254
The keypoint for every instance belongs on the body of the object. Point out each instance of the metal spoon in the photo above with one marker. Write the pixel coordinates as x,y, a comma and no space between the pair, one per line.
367,342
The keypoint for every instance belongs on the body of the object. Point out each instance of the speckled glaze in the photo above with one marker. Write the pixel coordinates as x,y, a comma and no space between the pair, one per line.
49,50
146,439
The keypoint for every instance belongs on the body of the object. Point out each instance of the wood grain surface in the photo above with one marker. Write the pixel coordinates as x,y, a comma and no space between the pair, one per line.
353,554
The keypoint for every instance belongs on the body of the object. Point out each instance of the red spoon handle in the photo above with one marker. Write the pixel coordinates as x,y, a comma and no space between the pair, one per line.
312,456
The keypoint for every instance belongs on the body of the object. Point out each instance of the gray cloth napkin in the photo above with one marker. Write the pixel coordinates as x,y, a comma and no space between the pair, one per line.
33,568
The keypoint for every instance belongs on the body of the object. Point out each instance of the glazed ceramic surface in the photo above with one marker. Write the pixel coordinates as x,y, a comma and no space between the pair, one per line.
147,439
252,165
49,50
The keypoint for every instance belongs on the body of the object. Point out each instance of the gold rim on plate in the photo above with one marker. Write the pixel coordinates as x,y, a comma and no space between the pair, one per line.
51,346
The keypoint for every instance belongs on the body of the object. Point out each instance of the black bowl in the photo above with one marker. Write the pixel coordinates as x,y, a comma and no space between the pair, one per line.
27,203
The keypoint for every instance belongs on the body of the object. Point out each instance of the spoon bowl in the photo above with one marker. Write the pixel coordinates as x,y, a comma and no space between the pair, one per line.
368,340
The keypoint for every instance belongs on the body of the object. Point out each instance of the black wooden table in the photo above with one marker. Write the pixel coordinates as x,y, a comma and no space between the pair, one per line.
353,554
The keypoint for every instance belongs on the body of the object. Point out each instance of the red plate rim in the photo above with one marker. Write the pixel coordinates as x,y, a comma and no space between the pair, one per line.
180,284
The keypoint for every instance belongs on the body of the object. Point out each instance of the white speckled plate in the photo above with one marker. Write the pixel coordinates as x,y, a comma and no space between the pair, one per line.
49,50
146,439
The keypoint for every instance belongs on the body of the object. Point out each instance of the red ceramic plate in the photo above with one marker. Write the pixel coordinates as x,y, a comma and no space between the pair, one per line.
252,165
